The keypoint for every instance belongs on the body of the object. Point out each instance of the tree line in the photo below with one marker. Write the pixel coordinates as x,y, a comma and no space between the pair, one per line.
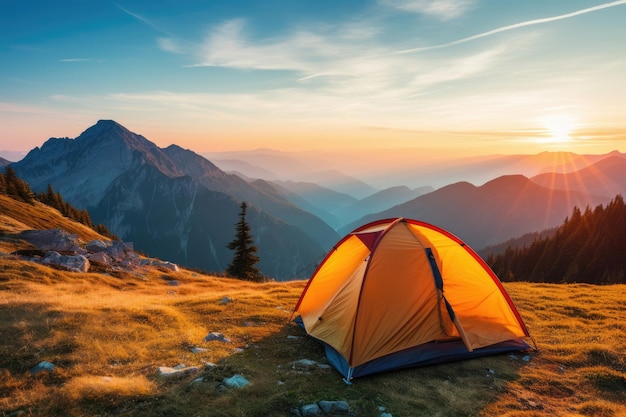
587,248
12,186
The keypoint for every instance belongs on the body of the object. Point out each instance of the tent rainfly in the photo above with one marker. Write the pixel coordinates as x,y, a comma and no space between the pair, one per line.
400,293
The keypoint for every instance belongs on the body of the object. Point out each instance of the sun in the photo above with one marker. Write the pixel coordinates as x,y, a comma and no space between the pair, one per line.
558,128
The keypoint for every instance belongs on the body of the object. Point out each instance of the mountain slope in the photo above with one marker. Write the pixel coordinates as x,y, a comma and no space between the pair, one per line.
263,197
605,177
173,203
503,208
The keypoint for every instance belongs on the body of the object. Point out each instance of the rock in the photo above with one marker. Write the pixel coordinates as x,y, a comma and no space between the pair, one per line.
100,258
117,250
216,336
386,415
96,246
226,300
43,366
173,283
526,358
305,362
169,265
323,408
53,240
177,371
335,407
296,412
305,365
198,350
236,381
74,263
310,410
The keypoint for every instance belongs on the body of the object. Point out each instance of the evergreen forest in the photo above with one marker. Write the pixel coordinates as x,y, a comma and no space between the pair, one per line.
18,189
587,248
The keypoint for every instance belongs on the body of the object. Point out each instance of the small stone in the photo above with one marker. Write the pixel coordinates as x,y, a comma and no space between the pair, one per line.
310,410
334,407
43,366
198,350
216,336
236,381
179,370
305,362
526,358
197,381
296,412
226,300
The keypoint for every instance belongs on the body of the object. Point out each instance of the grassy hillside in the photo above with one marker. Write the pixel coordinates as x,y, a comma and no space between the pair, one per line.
107,337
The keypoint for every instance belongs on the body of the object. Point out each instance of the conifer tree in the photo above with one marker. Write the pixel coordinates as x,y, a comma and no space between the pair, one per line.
244,261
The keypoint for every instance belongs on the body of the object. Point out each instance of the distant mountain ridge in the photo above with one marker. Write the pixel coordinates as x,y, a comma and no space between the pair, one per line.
383,168
172,203
605,177
506,207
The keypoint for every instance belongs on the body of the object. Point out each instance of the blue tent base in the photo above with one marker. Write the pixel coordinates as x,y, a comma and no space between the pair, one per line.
424,355
431,353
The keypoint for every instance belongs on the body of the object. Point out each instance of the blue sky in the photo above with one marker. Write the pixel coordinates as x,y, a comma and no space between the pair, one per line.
465,76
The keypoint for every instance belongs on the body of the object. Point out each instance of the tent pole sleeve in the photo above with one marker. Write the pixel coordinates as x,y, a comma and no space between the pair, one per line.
439,283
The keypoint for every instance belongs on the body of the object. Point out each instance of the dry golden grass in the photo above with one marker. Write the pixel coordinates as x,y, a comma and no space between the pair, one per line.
108,335
16,217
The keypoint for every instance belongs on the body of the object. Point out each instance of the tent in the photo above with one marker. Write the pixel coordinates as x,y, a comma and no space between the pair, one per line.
399,293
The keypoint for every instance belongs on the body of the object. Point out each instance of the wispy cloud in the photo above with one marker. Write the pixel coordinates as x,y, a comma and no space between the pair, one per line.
171,43
77,59
517,26
441,9
142,19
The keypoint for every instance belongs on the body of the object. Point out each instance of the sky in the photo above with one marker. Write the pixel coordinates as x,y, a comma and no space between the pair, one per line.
458,76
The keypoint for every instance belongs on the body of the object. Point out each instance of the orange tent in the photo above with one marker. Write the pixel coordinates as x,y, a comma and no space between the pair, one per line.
398,292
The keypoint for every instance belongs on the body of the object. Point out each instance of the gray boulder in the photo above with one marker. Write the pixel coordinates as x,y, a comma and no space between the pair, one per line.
54,240
74,263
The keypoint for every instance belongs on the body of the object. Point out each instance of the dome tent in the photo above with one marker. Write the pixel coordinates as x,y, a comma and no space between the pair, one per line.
398,293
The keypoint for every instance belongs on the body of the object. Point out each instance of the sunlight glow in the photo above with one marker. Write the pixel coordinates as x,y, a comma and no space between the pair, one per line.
559,127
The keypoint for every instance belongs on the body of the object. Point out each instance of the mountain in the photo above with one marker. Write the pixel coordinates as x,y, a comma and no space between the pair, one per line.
321,201
605,177
12,156
4,162
380,201
172,203
503,208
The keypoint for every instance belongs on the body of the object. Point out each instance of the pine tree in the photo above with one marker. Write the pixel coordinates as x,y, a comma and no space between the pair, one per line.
244,261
